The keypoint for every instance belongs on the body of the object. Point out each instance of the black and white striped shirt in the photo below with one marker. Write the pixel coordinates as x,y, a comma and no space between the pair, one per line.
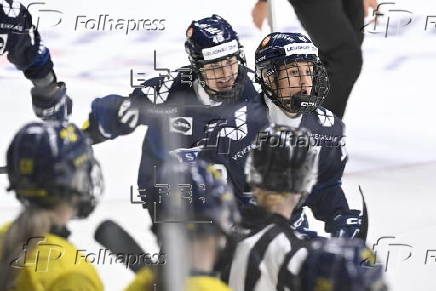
268,259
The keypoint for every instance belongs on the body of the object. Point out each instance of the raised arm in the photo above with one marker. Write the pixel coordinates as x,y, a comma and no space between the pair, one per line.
22,42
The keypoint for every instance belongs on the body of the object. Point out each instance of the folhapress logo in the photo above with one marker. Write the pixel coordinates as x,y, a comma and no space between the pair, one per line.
38,254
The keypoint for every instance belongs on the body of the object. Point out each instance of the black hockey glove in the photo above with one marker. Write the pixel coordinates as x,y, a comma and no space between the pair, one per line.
22,41
51,102
345,224
111,116
300,223
15,22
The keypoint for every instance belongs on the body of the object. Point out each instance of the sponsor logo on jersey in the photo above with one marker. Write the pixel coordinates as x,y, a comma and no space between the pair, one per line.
243,152
220,50
3,40
181,125
300,49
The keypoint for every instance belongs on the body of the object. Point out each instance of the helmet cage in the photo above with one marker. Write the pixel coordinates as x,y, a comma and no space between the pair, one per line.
271,74
208,74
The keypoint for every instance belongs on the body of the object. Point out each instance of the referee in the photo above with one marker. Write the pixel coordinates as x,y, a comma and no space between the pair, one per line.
269,257
335,27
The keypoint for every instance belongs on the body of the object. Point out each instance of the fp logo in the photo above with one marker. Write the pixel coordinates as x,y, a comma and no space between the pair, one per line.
39,255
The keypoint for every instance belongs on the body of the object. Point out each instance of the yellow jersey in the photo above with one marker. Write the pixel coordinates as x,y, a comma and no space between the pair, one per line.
53,264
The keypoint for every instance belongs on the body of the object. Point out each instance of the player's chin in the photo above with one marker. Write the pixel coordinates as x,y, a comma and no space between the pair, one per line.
223,89
286,101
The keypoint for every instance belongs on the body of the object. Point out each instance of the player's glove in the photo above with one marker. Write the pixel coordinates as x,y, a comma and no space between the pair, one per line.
22,41
51,102
300,223
111,116
346,224
15,20
129,112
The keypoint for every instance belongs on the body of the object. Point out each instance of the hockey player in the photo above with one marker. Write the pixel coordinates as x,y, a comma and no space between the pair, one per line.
53,172
282,171
221,112
20,39
294,83
340,265
212,200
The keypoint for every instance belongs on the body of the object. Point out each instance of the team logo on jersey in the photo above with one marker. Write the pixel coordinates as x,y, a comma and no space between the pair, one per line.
181,125
266,40
11,10
3,40
325,118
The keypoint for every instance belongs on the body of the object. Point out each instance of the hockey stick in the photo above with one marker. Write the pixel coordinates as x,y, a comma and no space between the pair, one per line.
272,22
113,237
365,221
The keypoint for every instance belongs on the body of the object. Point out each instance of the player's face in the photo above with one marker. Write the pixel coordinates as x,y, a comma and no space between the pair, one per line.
292,78
64,212
221,76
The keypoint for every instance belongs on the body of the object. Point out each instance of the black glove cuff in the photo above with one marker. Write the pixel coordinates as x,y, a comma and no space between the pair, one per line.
50,91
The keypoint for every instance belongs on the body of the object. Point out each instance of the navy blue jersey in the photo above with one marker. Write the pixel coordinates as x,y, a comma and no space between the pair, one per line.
327,197
180,124
328,131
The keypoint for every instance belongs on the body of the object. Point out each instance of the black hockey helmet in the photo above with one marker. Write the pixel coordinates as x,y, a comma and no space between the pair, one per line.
339,264
49,163
276,56
209,41
283,160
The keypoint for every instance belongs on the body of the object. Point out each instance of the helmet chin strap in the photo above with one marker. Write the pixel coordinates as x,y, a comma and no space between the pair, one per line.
230,96
209,91
302,102
203,95
296,104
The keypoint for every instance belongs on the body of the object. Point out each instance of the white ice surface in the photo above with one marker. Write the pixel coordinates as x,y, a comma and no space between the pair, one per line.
390,118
